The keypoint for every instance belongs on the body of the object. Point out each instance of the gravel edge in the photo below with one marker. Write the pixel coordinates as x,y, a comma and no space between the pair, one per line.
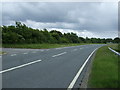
84,83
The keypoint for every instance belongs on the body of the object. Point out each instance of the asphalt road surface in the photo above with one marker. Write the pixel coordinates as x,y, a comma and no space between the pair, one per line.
44,68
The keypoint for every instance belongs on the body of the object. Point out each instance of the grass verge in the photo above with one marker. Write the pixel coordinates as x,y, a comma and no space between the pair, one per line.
1,53
116,47
104,73
40,46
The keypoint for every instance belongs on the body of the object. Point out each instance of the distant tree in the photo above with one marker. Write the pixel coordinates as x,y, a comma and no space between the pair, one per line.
88,40
74,38
116,40
48,36
10,38
56,35
103,40
109,40
20,33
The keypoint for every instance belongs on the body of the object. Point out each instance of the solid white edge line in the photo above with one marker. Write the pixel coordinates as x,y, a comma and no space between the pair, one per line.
59,54
10,69
79,72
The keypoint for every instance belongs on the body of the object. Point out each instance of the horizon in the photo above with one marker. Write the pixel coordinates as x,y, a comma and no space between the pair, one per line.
86,19
59,31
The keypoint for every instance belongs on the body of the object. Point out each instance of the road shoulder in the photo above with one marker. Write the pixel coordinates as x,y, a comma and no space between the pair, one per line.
84,82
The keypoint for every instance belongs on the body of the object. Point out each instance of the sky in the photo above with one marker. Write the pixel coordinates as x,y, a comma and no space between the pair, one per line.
86,19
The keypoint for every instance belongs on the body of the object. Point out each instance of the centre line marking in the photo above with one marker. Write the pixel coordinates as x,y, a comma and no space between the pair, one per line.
80,48
59,54
25,53
33,52
58,48
79,72
74,49
20,66
13,55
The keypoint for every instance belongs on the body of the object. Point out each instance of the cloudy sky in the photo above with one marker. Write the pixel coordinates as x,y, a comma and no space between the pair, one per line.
87,19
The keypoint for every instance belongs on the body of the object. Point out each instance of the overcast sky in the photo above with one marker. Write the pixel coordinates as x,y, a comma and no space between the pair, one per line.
87,19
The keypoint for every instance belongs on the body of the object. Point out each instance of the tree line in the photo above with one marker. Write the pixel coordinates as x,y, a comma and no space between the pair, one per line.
22,34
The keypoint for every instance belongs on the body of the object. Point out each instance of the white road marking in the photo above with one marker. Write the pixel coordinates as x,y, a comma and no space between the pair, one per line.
33,52
74,49
80,48
79,72
58,48
25,53
59,54
13,55
47,49
17,67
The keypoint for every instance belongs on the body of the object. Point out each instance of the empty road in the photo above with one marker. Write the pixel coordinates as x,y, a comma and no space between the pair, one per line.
44,68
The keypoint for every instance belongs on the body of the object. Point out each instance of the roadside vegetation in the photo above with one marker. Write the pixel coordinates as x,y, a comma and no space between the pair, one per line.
20,35
116,47
40,46
104,73
1,53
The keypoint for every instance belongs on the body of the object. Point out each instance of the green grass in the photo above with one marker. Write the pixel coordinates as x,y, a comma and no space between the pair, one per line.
104,73
39,46
115,47
2,53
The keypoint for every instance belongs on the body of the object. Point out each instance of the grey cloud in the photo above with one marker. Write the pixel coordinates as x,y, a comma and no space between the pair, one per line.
77,16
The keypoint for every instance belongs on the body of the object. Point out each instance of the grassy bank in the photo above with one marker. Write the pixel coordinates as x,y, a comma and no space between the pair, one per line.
104,72
2,53
39,46
116,47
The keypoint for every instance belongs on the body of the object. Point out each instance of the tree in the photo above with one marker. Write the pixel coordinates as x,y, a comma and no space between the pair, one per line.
116,40
20,33
109,40
88,40
81,40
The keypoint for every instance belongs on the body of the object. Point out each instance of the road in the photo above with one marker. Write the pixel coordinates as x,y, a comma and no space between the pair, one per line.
44,68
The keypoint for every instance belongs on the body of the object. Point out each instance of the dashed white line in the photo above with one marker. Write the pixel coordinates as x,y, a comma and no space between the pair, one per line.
25,53
79,72
33,52
80,48
74,49
59,54
47,49
17,67
13,55
58,48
